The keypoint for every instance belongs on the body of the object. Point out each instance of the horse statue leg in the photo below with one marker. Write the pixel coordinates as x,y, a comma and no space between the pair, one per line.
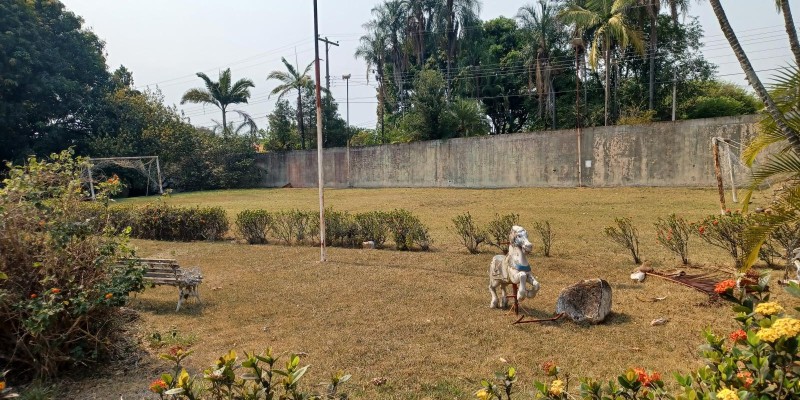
495,280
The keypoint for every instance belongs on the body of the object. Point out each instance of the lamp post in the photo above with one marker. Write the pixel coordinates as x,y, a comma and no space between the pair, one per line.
347,79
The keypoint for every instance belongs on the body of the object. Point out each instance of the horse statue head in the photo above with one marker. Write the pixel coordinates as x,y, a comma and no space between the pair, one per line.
513,269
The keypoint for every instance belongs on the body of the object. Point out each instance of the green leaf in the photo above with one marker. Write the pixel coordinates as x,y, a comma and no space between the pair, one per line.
3,276
174,391
793,289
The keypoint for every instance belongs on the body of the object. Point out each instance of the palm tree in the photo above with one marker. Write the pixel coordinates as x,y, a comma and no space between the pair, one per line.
543,26
292,80
371,50
221,94
791,32
458,14
605,22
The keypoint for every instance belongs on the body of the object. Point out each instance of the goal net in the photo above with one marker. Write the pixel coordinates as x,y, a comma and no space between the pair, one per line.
734,173
147,166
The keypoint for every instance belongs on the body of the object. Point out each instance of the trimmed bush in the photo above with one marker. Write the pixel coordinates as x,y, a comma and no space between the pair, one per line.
546,234
159,221
254,225
625,235
295,226
726,232
340,229
407,231
673,234
374,226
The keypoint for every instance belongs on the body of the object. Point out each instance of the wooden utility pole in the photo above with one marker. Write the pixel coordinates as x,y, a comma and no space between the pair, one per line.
320,181
328,45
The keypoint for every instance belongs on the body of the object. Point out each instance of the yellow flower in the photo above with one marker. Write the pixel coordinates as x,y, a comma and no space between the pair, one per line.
782,328
768,335
727,394
483,394
787,327
769,308
557,387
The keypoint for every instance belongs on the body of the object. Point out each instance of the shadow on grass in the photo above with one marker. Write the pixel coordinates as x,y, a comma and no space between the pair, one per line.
161,307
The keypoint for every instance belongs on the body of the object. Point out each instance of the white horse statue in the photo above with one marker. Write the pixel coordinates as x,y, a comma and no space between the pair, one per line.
513,268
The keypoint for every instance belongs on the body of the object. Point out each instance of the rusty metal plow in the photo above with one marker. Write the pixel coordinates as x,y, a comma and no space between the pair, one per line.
526,319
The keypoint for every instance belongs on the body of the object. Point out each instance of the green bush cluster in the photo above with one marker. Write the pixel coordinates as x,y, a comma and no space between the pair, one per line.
61,280
342,229
160,221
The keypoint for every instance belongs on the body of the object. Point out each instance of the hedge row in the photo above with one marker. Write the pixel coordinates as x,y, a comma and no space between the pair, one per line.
342,229
159,221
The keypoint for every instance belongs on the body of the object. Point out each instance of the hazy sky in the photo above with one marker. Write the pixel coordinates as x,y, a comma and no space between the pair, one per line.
165,42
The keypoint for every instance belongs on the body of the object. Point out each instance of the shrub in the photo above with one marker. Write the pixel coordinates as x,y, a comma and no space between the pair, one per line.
497,230
726,232
374,226
673,233
159,221
60,285
471,236
340,228
263,379
546,234
295,226
625,235
254,225
407,230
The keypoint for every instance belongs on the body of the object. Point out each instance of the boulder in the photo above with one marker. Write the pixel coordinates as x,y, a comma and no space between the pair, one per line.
586,301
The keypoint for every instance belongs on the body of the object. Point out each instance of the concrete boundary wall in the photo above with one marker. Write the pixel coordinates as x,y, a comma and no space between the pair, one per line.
658,154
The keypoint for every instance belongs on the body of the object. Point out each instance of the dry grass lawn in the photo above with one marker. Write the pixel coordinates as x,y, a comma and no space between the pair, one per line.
420,319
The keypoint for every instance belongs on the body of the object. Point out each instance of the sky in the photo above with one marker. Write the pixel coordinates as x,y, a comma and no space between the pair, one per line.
166,42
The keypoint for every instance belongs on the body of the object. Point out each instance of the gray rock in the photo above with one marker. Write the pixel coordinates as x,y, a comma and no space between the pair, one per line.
586,301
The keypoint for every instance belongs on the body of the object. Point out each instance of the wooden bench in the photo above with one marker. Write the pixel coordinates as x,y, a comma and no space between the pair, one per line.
168,272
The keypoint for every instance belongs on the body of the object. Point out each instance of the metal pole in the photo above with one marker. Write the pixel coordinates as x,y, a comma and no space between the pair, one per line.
91,182
320,182
160,183
674,92
578,42
347,80
718,174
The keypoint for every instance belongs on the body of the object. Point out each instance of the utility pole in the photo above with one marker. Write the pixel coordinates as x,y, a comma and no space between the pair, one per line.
320,182
328,45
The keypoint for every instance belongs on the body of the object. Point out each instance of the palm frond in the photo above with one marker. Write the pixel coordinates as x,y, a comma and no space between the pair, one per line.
786,210
198,96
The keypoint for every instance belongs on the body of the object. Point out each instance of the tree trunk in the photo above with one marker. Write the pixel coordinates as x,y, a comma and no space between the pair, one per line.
653,51
790,30
607,58
450,43
300,123
224,123
761,92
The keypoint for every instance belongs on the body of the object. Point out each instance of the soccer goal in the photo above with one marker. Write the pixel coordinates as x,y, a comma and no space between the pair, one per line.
728,166
147,166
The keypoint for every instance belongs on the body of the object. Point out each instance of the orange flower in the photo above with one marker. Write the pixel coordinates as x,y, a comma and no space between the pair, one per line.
2,385
55,290
702,230
109,295
647,380
715,222
746,377
724,286
158,386
550,368
34,295
738,336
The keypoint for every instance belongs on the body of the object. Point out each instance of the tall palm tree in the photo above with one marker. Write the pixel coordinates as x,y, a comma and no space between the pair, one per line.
458,14
542,24
770,107
371,49
606,24
290,80
221,94
791,31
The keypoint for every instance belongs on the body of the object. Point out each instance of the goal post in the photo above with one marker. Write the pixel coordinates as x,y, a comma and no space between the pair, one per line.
729,167
141,164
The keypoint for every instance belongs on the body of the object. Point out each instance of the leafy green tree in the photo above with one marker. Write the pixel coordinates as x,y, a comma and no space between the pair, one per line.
52,76
292,79
468,118
606,24
282,134
222,94
428,117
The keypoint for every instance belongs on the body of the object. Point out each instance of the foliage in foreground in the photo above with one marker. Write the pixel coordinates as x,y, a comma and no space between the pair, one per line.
256,377
625,235
60,287
758,361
